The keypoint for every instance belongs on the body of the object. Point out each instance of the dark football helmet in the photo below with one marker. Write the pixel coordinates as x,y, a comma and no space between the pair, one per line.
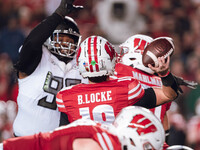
55,45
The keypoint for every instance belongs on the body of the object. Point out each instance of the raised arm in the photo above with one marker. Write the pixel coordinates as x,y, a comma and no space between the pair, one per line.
170,87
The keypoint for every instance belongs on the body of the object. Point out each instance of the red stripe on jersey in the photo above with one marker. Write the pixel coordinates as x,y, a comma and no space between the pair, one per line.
78,55
89,54
95,54
101,138
59,95
137,93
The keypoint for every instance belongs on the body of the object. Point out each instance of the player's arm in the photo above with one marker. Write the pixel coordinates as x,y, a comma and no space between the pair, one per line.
153,97
31,50
169,90
33,142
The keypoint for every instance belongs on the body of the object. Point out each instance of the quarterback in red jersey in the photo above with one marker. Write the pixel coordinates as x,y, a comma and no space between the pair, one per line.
135,128
131,65
102,99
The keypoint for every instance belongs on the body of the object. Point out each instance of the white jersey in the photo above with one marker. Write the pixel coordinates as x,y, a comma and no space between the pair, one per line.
37,109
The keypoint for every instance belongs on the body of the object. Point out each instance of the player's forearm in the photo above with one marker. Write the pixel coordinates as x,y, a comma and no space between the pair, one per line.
31,51
169,91
43,30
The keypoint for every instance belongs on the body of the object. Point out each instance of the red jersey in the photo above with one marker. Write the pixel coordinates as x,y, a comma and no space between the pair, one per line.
101,101
147,81
62,138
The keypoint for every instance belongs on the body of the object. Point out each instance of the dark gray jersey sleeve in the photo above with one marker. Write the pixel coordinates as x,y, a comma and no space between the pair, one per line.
31,50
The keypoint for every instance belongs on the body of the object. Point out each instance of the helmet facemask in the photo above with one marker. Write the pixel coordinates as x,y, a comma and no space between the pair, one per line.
64,48
65,39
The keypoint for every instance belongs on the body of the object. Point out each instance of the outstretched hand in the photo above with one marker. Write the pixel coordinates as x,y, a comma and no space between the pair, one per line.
163,66
66,7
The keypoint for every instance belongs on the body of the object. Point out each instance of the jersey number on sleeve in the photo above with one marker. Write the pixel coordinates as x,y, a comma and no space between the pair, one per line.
52,85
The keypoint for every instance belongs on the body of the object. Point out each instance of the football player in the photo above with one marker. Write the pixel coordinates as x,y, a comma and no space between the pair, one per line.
44,68
135,128
130,64
102,99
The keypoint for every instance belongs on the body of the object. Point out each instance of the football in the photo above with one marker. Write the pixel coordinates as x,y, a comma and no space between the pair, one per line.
162,46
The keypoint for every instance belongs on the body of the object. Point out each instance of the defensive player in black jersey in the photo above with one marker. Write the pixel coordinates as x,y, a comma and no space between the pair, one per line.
46,64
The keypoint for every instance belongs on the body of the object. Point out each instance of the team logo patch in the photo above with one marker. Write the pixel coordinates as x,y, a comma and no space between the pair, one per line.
93,62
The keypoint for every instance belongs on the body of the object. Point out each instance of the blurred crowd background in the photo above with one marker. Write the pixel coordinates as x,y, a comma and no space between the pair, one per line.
115,20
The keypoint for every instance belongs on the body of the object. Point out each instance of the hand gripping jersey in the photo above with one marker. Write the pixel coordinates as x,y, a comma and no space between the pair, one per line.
101,101
37,109
147,81
62,138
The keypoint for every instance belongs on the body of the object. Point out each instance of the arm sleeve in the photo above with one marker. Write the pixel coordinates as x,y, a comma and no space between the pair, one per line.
63,119
148,100
31,50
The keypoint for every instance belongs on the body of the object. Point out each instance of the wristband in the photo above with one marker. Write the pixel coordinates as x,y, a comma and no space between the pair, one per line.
164,75
167,136
169,80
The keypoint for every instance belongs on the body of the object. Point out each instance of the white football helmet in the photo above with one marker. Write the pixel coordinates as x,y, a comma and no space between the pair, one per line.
139,129
132,50
96,57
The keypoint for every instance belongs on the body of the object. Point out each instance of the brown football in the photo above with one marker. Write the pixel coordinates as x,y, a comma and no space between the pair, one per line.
162,46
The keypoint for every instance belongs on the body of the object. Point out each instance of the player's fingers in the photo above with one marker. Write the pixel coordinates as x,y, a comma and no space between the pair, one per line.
160,62
168,60
151,67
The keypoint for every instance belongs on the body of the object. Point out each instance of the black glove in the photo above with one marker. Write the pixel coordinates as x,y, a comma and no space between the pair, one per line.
190,84
66,7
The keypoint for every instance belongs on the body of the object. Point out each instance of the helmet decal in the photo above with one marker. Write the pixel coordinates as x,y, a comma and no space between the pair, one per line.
142,124
96,57
132,50
140,44
109,49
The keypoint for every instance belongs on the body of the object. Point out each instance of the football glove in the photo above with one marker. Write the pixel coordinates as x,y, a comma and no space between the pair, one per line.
181,82
190,84
66,7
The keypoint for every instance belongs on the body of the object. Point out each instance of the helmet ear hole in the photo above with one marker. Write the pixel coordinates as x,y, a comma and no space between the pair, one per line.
132,142
125,147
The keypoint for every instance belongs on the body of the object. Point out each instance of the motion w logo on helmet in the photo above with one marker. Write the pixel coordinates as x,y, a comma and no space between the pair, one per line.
110,50
142,124
140,44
